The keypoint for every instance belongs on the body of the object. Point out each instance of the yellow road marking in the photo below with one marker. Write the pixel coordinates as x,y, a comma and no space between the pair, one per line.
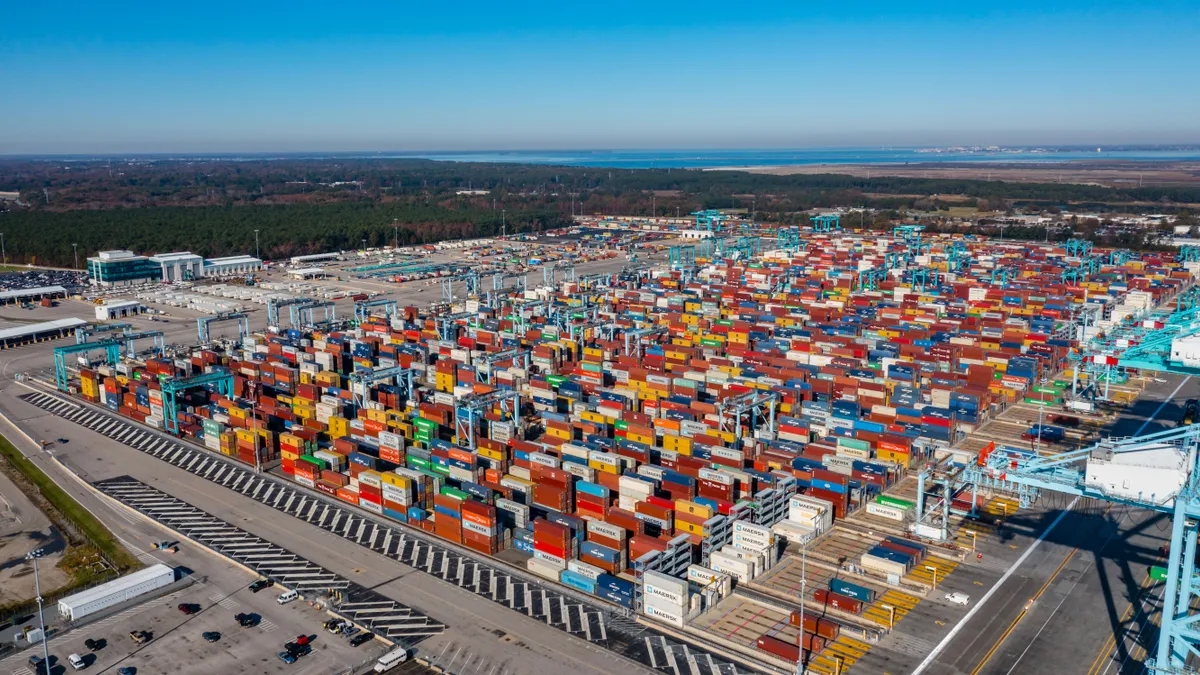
1020,615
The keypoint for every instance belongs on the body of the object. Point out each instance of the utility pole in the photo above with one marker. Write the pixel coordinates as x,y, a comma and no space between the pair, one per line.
396,228
503,224
2,251
256,254
75,247
37,588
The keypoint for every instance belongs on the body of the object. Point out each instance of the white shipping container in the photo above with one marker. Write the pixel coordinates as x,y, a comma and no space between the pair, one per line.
543,568
750,536
675,618
795,533
606,529
115,592
885,511
882,565
733,566
706,578
662,586
583,569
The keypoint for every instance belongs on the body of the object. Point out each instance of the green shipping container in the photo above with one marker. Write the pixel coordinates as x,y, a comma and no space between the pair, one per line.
425,425
438,468
1057,401
456,493
418,462
710,343
893,502
854,443
1158,573
622,425
555,380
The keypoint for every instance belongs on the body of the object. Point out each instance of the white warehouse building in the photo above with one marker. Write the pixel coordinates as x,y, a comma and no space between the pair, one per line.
184,266
238,265
97,599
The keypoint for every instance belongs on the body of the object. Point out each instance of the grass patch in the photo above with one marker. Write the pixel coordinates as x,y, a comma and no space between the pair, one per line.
65,512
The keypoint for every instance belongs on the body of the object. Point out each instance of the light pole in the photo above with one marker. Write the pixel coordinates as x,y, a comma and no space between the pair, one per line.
503,223
37,588
396,229
2,251
75,247
800,667
256,254
891,615
933,569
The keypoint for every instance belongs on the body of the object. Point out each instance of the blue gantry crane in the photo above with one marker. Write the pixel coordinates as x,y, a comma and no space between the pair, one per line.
826,222
1159,472
203,322
303,313
362,379
709,220
362,309
276,304
112,353
472,408
219,378
82,333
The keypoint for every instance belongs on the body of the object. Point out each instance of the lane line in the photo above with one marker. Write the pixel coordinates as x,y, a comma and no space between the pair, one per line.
1074,585
941,646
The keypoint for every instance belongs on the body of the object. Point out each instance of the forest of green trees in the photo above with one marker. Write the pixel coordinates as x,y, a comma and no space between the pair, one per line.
213,207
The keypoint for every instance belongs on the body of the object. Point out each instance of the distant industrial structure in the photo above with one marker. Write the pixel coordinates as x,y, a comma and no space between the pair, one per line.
124,268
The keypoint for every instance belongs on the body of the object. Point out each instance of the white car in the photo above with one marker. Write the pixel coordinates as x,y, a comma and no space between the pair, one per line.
958,598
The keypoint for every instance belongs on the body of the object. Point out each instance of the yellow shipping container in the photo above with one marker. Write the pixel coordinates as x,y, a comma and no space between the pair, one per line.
304,412
559,433
395,479
238,413
495,455
693,509
690,528
339,427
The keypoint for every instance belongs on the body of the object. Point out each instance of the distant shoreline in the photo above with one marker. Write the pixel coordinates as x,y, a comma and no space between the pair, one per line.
1103,172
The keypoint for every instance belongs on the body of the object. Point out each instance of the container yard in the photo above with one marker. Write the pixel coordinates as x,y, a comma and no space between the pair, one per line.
715,445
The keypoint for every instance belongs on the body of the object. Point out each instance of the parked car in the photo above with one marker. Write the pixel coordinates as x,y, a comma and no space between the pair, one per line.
286,657
261,584
361,639
189,608
95,645
127,670
140,636
211,636
246,620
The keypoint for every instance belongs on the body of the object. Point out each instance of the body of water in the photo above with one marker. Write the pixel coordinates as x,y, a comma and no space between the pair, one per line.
643,159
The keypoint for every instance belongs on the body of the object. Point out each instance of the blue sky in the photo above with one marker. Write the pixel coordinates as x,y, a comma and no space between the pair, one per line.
93,77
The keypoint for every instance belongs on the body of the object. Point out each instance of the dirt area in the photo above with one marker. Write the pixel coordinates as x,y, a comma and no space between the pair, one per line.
23,528
1106,173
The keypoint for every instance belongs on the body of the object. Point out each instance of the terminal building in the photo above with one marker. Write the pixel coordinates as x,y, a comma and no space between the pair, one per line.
184,266
124,268
235,266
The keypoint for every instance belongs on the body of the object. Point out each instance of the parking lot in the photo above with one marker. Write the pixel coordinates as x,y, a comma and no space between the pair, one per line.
177,644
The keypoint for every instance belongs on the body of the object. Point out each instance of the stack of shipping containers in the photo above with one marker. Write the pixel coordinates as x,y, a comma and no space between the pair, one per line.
616,451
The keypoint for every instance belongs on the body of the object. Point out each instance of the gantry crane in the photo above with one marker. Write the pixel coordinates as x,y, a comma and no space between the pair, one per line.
220,378
202,324
1158,472
472,408
112,353
82,333
486,361
362,309
362,379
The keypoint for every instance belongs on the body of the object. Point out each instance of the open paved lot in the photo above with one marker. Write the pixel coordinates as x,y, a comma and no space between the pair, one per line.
178,646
